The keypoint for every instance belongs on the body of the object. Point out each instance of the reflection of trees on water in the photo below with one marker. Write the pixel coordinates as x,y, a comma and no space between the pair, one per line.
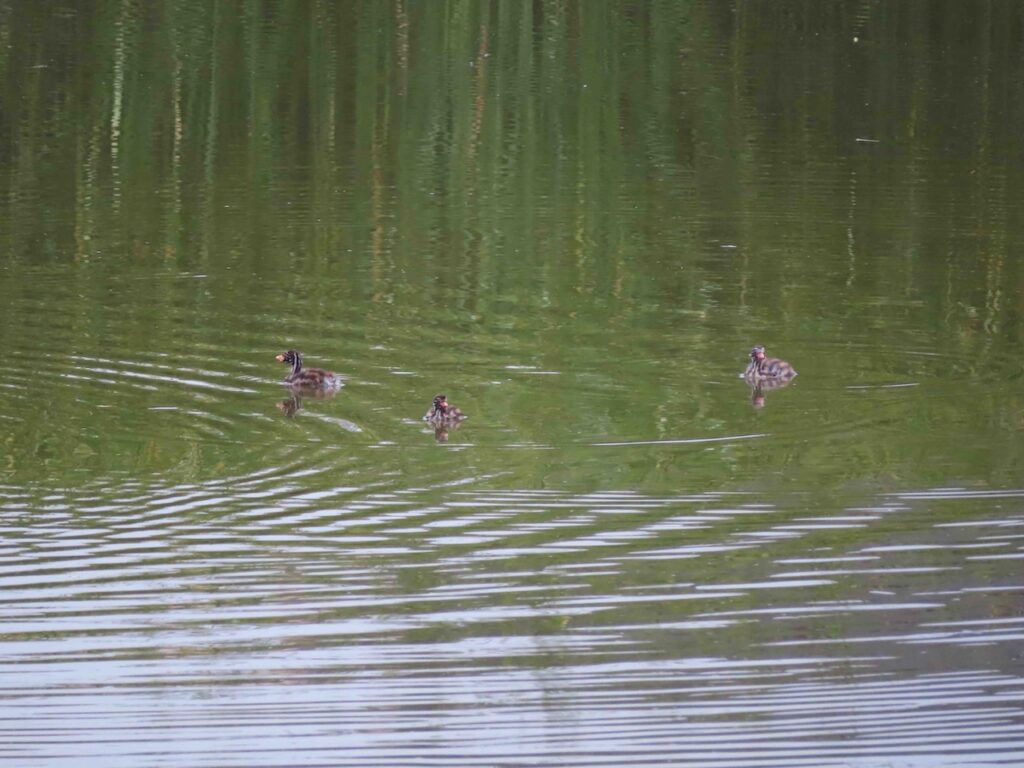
576,108
539,167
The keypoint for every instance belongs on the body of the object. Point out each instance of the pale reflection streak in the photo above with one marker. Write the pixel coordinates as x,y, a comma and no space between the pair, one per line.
293,590
682,441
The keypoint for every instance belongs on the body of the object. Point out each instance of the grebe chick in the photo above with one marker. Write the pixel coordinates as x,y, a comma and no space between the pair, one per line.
762,367
443,413
312,378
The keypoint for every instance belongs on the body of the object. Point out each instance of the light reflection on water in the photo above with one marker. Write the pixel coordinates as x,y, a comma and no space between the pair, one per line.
206,622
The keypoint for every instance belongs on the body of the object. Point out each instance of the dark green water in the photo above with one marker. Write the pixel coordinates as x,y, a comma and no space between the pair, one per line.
575,219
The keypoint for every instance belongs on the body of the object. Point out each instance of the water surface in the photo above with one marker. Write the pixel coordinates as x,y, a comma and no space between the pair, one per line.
575,223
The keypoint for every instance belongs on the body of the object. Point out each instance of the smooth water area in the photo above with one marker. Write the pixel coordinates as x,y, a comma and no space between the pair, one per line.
574,219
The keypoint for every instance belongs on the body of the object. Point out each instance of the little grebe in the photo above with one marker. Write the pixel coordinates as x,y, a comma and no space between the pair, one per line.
443,413
762,367
306,377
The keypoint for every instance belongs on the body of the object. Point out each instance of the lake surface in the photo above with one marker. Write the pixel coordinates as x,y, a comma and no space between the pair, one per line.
574,219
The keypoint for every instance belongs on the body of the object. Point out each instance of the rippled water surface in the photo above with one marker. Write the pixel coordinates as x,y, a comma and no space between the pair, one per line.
575,225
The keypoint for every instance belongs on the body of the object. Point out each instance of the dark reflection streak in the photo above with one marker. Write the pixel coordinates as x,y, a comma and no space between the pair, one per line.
402,30
851,269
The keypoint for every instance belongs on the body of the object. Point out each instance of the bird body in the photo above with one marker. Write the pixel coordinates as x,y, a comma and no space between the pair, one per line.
762,367
442,413
311,378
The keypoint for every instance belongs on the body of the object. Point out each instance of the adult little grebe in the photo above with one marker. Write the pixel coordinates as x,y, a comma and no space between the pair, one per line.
306,377
443,413
762,367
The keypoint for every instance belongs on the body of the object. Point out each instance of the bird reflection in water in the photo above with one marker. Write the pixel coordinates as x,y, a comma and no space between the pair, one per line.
758,388
441,431
293,404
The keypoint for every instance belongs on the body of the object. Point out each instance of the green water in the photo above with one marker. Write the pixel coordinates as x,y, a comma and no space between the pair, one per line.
574,219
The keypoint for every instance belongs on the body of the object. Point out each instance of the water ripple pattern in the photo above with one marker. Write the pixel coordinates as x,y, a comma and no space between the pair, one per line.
245,620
